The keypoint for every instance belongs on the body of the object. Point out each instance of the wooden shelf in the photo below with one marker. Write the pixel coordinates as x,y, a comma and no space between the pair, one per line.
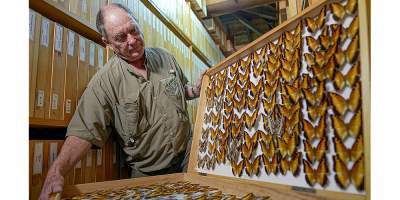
47,123
59,14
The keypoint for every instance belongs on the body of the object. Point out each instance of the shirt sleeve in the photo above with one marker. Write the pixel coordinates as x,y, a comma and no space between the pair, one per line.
182,76
92,118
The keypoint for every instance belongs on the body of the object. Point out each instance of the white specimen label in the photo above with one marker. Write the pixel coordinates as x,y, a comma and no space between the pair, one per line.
59,36
53,152
44,33
100,57
68,106
38,158
84,6
78,165
32,19
91,58
54,102
99,155
82,48
114,152
89,158
71,41
40,98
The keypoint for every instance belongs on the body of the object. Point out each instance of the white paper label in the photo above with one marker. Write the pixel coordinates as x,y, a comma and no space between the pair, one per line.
82,48
114,152
100,57
59,35
32,19
38,158
44,33
84,6
99,156
40,98
54,102
89,158
53,152
78,165
91,58
71,41
68,106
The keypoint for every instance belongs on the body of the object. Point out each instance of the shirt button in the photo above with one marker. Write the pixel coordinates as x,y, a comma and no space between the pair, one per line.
165,115
132,140
171,133
155,98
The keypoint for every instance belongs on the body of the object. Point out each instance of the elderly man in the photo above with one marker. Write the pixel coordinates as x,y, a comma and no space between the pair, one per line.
142,93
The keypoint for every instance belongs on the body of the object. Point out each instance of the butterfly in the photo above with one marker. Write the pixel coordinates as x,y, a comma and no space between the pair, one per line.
312,44
214,133
293,73
208,93
350,79
317,111
241,90
271,58
305,83
298,28
342,130
351,31
257,70
272,125
286,102
268,151
239,64
255,58
313,97
202,146
224,135
233,69
309,60
271,79
244,77
263,54
293,165
271,166
222,76
218,104
312,24
353,154
279,53
246,152
340,105
229,95
294,93
223,142
204,133
251,140
316,176
228,111
255,89
250,120
290,123
352,50
266,138
269,91
326,72
200,162
238,121
293,56
269,106
313,82
272,47
232,82
295,131
227,121
339,10
215,118
311,132
212,80
315,154
236,130
273,67
231,154
239,105
207,118
212,147
322,57
280,40
253,168
211,163
289,112
287,148
218,90
344,177
288,45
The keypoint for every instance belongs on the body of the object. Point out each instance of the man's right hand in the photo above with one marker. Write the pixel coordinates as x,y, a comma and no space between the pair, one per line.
53,184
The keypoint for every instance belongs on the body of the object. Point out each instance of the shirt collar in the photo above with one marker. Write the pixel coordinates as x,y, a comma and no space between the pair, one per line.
130,69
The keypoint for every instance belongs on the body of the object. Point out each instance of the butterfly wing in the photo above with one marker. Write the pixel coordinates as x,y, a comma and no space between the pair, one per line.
337,10
322,170
351,52
342,178
357,174
237,169
246,152
294,164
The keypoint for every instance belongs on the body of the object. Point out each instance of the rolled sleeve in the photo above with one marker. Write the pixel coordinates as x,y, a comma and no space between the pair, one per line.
92,118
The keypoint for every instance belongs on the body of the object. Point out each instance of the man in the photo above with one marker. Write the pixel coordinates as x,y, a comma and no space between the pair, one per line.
142,93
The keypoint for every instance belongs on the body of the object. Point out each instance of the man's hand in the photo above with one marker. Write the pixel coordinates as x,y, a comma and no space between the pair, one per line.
197,88
53,184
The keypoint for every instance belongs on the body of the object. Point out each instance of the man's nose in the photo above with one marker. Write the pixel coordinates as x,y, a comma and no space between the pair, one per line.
131,39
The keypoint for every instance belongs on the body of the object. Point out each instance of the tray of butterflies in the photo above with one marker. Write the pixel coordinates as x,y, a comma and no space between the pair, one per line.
290,113
179,190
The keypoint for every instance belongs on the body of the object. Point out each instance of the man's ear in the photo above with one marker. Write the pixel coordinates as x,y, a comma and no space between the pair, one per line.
105,41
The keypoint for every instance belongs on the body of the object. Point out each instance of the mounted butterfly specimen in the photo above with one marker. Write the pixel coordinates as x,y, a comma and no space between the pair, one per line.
202,146
351,31
294,93
310,60
293,165
312,43
338,10
247,151
241,90
228,109
270,150
226,121
342,130
207,118
253,168
269,106
201,161
243,78
221,158
345,177
215,118
251,140
255,89
269,91
271,166
311,132
218,90
326,72
272,48
239,104
287,148
255,58
233,69
292,73
250,120
236,130
204,133
214,133
229,95
341,105
288,112
266,138
352,154
316,176
312,24
238,121
313,97
290,123
349,79
263,54
271,79
315,154
232,82
317,111
211,163
322,57
224,135
212,147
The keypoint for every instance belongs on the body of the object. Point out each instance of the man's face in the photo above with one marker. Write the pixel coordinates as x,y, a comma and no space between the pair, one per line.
124,35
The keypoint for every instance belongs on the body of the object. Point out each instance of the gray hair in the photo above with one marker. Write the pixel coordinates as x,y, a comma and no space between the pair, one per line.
100,17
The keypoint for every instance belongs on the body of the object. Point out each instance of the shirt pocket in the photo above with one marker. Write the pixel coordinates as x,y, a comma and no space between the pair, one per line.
171,87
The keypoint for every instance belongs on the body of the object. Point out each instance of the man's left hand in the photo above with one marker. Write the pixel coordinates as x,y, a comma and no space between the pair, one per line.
197,88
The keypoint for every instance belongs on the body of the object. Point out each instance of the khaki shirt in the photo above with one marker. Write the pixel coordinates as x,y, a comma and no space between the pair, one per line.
149,115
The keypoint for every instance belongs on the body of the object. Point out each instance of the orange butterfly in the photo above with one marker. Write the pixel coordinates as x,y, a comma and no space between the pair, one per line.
227,121
297,41
269,106
353,154
218,104
270,150
317,111
352,50
251,140
212,80
295,131
340,105
228,109
249,60
202,146
310,60
215,118
286,102
255,89
312,24
263,54
271,58
312,44
229,95
273,67
351,31
316,176
241,90
212,147
280,40
279,53
208,93
350,79
233,70
293,56
222,76
232,82
250,120
293,165
311,132
237,169
317,96
242,65
239,105
271,166
269,91
246,152
298,28
294,93
204,133
305,84
342,130
290,123
288,46
344,177
214,133
291,75
326,72
315,154
253,168
322,57
236,131
223,142
255,58
313,82
244,77
252,103
220,156
289,112
338,10
238,121
271,78
266,138
287,148
257,70
218,90
272,48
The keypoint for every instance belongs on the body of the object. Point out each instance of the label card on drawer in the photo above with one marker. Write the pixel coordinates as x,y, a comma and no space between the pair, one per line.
44,33
89,158
99,156
71,41
68,106
59,35
40,98
91,59
78,165
101,57
38,158
84,6
114,152
54,102
53,152
32,19
82,48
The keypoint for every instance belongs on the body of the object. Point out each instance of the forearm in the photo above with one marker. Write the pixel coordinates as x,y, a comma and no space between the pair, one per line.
189,93
73,150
